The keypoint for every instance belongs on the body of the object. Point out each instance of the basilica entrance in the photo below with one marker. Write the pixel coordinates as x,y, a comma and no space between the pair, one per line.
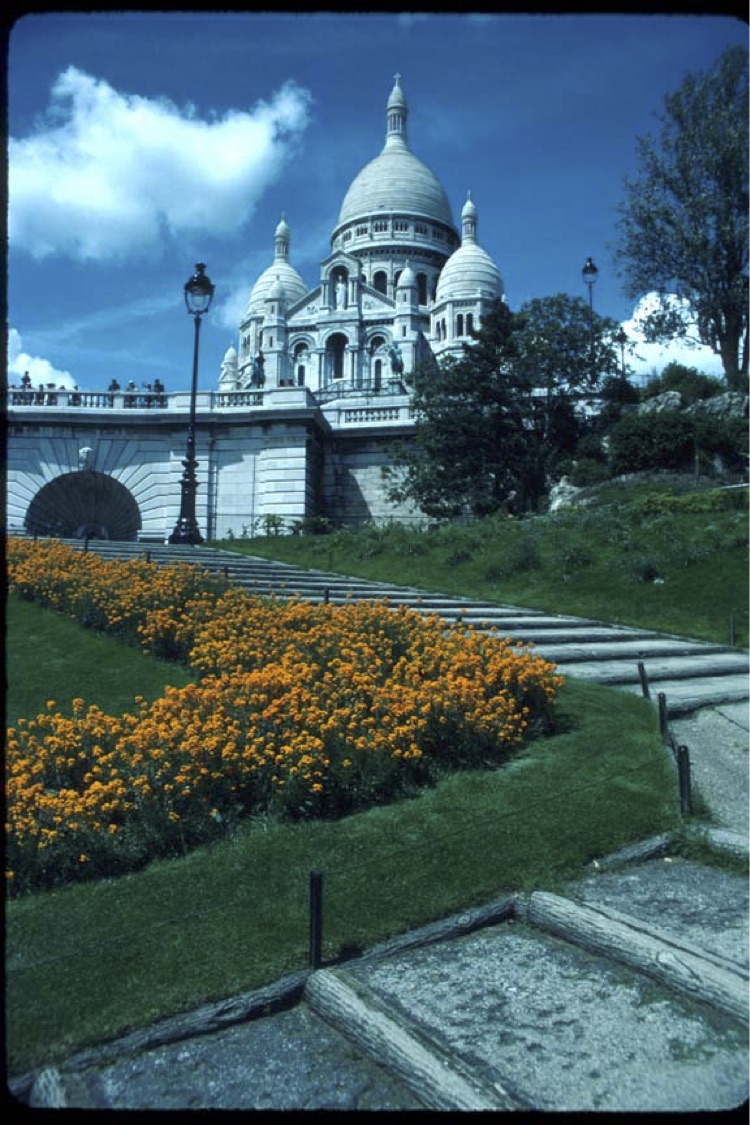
81,505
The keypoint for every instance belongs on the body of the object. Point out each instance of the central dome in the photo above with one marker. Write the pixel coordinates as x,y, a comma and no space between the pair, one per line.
396,180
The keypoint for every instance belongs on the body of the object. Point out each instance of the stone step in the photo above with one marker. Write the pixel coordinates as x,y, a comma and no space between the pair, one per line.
628,993
625,992
619,672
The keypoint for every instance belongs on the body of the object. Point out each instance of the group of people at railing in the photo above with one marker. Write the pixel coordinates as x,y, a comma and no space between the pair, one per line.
151,395
51,395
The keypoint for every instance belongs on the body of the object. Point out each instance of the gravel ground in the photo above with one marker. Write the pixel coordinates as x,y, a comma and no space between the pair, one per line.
718,741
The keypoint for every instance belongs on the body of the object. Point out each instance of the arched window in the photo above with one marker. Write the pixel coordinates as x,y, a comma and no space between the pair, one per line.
335,349
469,323
460,324
377,378
422,288
380,281
301,357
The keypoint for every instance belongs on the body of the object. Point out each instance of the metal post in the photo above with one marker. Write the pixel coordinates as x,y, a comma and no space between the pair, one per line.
663,726
199,291
186,530
316,918
644,680
683,773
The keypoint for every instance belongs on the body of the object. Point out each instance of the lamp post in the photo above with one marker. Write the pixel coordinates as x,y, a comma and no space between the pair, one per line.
199,292
622,340
590,273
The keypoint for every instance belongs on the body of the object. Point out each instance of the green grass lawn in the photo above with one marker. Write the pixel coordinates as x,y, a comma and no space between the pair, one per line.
49,657
91,962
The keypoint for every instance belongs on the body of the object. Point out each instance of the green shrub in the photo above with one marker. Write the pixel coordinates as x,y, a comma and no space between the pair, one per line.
652,441
589,471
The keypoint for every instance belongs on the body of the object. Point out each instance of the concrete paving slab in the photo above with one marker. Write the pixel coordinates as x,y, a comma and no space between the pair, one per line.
289,1061
563,1029
707,906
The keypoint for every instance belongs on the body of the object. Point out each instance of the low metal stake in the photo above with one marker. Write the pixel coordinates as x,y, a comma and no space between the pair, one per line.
683,773
644,680
326,596
316,918
663,726
148,556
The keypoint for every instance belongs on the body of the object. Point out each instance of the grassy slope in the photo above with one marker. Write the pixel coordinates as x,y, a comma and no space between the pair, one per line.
49,657
588,561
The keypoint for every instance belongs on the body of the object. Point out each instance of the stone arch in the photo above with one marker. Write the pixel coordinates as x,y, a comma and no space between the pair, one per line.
380,281
336,346
81,504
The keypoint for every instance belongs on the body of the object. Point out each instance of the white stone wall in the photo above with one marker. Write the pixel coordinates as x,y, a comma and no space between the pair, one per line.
355,490
259,463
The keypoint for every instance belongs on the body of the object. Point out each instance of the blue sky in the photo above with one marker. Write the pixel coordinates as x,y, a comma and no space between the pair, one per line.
141,143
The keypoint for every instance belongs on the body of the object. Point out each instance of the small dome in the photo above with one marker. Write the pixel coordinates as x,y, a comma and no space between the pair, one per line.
406,278
230,355
396,99
293,287
469,210
470,271
277,291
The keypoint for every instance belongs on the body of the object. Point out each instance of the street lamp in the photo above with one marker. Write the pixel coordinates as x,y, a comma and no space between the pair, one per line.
622,340
199,292
590,274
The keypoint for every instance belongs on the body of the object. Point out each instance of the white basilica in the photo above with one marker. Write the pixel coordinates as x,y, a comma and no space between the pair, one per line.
399,288
308,406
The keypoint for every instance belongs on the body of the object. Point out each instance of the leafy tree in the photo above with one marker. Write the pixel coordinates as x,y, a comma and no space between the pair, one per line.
684,223
493,423
690,382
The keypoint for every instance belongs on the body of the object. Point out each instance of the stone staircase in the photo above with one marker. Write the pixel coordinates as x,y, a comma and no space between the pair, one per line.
691,674
625,991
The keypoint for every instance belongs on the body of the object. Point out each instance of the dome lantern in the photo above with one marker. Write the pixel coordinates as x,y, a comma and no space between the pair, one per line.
396,113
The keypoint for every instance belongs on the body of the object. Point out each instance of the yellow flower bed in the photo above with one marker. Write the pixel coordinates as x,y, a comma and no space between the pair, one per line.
300,709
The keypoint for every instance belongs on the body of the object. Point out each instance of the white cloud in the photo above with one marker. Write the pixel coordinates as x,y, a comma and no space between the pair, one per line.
112,175
40,370
642,358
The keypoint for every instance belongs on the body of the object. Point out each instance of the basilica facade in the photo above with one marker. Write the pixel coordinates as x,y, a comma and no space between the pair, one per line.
400,288
309,404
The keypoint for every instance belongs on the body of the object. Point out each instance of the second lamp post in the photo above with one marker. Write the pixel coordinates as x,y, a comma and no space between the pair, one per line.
199,292
590,274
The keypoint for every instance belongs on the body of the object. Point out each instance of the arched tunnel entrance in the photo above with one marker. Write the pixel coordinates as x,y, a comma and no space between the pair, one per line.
84,504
